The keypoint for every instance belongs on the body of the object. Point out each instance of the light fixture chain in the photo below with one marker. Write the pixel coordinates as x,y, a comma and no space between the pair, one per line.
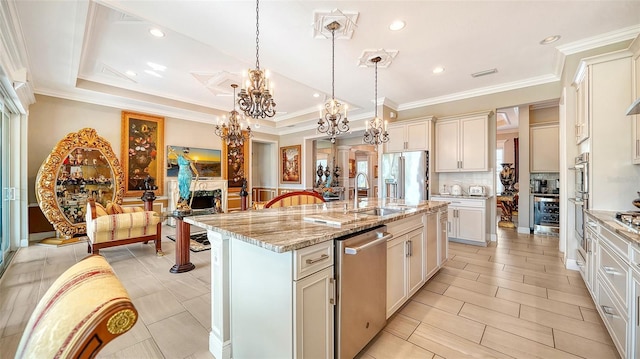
376,93
333,63
257,33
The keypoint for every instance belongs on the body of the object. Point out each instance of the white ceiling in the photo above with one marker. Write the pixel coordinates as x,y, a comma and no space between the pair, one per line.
82,49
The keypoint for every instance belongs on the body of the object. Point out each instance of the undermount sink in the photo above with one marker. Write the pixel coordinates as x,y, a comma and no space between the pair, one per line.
382,211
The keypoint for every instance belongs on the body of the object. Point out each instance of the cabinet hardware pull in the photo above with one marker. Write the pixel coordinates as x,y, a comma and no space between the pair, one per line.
638,311
611,271
592,224
637,147
332,283
608,310
580,264
322,257
410,248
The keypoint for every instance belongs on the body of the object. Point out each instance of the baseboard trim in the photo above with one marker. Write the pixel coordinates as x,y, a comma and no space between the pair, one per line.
219,349
572,264
524,230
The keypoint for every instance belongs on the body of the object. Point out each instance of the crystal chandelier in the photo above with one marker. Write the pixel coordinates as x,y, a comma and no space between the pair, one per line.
255,98
333,121
376,129
232,133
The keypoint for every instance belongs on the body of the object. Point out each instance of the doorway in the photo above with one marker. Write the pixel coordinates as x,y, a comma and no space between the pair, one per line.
506,168
264,171
5,240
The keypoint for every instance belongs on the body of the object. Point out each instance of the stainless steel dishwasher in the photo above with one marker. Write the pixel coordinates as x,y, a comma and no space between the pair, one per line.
361,279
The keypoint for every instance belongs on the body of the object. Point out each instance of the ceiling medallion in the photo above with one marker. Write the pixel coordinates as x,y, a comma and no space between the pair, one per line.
255,98
376,129
232,133
333,121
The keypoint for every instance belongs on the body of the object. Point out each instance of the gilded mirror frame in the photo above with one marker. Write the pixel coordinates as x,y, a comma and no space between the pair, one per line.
47,178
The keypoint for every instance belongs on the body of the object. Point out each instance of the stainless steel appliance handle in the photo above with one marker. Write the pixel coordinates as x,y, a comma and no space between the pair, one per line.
355,250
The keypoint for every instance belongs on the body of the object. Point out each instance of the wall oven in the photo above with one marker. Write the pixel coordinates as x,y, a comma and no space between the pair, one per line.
581,199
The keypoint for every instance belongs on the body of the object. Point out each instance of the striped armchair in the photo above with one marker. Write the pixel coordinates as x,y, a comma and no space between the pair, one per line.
117,225
82,311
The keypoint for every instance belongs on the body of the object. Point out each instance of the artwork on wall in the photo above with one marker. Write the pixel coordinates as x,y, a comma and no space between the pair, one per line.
142,151
237,168
290,158
207,161
352,168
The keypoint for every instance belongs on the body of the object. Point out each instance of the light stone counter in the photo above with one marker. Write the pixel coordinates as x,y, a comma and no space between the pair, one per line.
285,229
608,220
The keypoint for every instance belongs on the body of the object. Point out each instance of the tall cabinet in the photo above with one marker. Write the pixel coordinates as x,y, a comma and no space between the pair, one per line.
462,143
636,94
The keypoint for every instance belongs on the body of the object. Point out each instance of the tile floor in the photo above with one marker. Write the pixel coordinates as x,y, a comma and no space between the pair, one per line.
511,299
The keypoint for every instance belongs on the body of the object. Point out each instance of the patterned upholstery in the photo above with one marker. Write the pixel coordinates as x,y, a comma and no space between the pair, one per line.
83,310
294,199
123,228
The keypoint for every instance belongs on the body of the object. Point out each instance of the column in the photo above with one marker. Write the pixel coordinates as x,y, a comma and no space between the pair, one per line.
343,163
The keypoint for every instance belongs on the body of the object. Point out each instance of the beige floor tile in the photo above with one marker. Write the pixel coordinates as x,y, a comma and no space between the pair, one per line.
472,285
200,308
147,349
582,347
179,343
558,284
560,269
461,273
18,316
546,261
137,334
444,344
186,287
157,306
581,300
388,346
565,309
439,301
516,261
471,260
9,345
493,303
577,281
538,274
201,354
499,273
454,264
591,316
401,326
533,331
463,247
481,257
491,251
593,331
528,252
435,286
142,286
519,347
517,286
440,319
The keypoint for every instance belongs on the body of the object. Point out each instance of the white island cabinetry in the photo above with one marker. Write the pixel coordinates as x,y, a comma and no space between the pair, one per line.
467,219
300,283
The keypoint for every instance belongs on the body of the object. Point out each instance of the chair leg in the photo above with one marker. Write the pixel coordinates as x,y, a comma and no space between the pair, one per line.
158,240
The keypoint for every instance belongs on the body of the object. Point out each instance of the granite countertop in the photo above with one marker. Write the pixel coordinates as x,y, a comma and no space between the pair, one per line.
464,196
608,220
288,228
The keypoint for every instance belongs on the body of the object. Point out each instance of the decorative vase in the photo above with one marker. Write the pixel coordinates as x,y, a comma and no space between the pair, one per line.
507,177
636,202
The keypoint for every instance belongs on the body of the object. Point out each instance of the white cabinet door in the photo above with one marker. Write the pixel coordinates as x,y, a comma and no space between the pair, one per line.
396,138
314,307
635,317
396,274
443,238
447,159
582,107
470,223
545,149
415,262
636,118
451,225
432,250
474,147
417,135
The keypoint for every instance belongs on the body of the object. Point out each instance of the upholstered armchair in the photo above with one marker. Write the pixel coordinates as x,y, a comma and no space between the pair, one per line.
295,198
82,311
117,225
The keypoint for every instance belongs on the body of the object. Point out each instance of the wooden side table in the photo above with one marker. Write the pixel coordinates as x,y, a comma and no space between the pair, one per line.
183,239
507,205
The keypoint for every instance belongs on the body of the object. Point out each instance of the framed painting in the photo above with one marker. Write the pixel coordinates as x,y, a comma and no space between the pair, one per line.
142,152
207,161
236,158
290,162
352,168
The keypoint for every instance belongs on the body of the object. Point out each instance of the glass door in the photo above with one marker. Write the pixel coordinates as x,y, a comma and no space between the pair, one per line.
5,245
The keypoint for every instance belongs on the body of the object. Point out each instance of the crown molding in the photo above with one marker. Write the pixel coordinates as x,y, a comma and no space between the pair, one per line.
624,34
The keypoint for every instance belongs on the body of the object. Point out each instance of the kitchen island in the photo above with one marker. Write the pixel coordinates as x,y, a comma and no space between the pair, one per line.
273,284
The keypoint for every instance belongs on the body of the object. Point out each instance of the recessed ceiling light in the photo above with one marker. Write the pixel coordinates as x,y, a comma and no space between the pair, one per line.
156,32
438,70
153,73
397,25
316,95
131,73
156,67
484,73
550,39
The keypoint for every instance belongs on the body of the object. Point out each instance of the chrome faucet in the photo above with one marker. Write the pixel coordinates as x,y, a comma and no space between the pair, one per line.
355,190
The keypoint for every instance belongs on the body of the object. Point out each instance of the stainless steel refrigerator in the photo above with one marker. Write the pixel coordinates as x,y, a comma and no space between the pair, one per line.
405,175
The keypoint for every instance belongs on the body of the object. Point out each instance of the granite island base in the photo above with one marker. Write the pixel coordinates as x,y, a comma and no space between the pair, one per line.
273,277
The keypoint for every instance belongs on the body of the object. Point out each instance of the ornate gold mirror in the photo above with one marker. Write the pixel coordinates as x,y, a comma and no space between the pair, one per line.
80,166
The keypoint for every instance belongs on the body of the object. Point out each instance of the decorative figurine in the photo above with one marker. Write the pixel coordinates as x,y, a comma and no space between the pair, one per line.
186,169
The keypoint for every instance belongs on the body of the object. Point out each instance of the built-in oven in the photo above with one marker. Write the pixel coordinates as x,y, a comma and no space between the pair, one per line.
581,200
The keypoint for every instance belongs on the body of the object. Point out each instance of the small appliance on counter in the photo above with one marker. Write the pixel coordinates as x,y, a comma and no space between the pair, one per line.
456,190
477,190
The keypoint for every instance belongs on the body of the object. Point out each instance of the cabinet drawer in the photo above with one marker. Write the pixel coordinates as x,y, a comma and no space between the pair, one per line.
312,259
615,272
616,242
634,259
466,203
615,320
404,225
